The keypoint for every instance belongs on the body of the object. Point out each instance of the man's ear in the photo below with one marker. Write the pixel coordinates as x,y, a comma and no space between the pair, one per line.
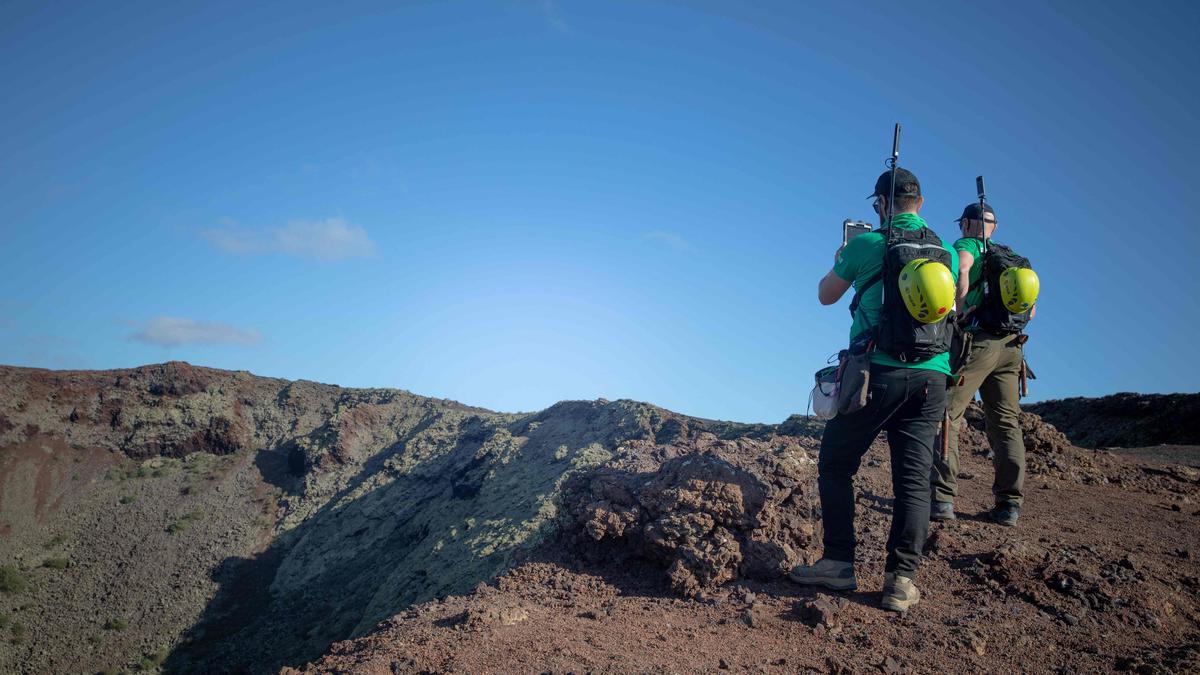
920,203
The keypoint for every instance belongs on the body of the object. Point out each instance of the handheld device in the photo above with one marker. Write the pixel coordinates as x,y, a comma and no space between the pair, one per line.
853,228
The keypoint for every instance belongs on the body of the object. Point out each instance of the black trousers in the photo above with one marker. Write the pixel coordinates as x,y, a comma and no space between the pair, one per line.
907,403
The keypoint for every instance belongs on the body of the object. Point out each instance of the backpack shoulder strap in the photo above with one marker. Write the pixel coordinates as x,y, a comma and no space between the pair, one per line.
858,293
982,262
871,280
998,247
928,233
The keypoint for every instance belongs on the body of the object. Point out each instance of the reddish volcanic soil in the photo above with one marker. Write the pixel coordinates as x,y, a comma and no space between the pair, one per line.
1100,574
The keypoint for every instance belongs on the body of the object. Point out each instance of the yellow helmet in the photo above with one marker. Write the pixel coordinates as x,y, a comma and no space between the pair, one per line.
1019,289
928,290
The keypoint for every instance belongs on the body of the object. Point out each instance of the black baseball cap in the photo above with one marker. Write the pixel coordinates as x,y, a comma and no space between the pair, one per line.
906,184
972,212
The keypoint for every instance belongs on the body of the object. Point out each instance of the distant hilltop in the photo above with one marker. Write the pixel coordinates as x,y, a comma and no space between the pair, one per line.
1125,419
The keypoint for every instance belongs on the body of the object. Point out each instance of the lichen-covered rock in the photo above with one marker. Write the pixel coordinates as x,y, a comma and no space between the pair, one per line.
716,511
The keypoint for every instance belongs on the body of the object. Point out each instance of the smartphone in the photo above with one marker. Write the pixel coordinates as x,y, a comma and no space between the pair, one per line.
853,228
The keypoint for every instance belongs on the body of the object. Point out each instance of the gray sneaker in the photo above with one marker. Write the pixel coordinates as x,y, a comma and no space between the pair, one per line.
833,574
899,593
1006,514
942,511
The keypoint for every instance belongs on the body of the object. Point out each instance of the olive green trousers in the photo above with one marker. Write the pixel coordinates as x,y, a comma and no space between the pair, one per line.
993,369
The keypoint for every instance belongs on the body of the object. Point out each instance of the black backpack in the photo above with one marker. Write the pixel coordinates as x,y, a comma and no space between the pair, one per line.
898,333
991,314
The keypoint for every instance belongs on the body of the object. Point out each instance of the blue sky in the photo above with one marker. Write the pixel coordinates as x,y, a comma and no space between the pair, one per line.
514,203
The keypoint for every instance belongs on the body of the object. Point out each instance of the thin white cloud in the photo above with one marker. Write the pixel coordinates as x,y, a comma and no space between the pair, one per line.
235,241
167,331
670,239
329,239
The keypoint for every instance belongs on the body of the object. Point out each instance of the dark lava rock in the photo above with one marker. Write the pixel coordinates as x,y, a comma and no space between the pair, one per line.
822,610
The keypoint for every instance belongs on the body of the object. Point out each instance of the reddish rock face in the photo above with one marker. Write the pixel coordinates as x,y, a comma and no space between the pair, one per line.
713,512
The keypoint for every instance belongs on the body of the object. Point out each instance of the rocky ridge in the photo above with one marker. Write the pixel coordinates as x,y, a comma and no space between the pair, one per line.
227,521
213,520
1125,420
673,557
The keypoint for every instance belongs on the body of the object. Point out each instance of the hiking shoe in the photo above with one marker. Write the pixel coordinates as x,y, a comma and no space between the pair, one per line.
899,593
833,574
942,511
1006,514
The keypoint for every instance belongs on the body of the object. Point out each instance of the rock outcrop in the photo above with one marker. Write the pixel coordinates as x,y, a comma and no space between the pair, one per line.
1125,420
260,519
215,521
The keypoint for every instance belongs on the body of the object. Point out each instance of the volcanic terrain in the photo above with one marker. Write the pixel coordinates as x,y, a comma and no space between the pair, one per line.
187,519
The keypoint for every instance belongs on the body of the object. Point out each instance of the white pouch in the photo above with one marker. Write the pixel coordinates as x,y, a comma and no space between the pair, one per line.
824,396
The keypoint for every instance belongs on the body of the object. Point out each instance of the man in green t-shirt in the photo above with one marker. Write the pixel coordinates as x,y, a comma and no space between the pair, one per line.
908,400
993,368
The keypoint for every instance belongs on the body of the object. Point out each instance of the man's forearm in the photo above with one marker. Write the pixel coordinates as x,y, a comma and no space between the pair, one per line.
831,288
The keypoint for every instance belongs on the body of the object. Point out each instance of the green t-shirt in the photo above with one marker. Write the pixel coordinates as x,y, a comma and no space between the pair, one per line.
975,248
862,259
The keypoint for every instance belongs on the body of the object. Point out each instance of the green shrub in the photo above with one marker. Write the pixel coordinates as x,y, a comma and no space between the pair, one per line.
56,541
128,499
184,521
4,621
116,624
11,579
56,563
151,661
18,632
